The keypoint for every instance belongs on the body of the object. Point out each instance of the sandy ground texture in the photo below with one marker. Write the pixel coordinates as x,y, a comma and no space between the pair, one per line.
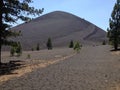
94,68
37,59
42,55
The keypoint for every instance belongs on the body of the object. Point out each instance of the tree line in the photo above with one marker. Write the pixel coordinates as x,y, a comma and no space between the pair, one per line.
49,45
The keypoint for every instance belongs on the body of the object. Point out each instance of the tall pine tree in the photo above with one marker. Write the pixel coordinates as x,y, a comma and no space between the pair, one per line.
71,44
49,44
114,26
38,47
10,12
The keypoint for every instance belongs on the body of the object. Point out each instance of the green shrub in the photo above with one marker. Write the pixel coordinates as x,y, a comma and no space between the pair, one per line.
77,47
18,49
12,51
28,56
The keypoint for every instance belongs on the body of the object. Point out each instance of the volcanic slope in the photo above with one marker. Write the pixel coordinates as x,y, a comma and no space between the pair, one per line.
61,27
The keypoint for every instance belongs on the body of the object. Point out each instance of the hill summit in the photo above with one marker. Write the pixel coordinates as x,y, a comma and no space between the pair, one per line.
61,27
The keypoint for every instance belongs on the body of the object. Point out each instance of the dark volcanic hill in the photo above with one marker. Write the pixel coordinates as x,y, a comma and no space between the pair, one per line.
61,27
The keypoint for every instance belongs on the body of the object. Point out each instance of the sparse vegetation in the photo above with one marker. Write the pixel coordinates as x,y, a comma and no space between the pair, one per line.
28,56
114,26
77,47
49,44
12,51
71,45
17,48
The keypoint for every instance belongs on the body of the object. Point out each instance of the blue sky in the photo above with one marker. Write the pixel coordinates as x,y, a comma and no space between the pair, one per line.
96,11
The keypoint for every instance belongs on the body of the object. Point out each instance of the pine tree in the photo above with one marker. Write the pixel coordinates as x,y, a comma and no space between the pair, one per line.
12,51
71,44
114,26
18,49
10,12
49,44
77,47
38,47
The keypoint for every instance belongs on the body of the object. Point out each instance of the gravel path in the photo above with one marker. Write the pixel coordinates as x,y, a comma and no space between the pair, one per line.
94,68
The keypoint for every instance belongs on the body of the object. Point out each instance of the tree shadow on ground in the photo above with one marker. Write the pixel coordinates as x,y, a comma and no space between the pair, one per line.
115,50
8,68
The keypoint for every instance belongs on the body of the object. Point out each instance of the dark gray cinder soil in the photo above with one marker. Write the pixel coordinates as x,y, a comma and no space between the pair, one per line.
61,27
94,68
